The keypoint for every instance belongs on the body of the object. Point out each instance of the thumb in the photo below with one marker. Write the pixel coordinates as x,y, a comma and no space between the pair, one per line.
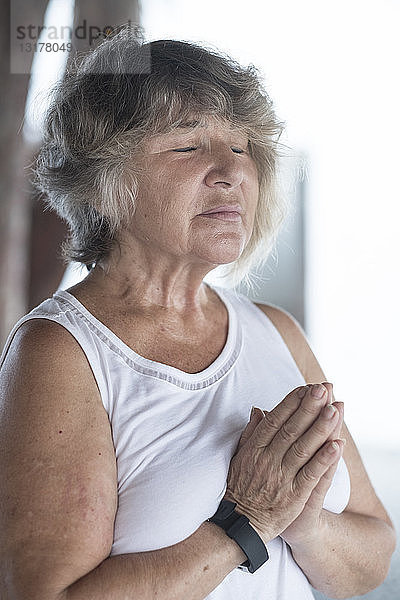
256,416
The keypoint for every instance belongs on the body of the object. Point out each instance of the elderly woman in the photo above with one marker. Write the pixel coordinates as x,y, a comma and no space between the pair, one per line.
130,467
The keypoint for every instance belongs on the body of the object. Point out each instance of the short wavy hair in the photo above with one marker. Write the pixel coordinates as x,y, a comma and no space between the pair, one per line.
119,93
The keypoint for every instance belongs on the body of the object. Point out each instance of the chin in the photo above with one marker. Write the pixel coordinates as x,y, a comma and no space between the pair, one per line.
219,249
222,256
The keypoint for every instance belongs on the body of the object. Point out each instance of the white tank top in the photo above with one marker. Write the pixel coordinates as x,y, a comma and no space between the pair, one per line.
175,433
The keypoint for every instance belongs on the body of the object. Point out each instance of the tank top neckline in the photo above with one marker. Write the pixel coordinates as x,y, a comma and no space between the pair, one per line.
214,372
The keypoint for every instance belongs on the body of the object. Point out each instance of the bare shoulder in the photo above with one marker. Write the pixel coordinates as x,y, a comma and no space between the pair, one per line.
295,339
44,357
58,497
42,336
281,318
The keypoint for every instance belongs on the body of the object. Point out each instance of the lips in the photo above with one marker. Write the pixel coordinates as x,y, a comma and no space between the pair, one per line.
227,212
226,208
223,216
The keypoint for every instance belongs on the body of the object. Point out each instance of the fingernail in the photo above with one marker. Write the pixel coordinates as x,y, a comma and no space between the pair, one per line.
333,447
252,412
301,392
318,390
329,411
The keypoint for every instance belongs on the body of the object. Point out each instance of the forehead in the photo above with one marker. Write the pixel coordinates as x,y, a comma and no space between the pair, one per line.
209,123
203,126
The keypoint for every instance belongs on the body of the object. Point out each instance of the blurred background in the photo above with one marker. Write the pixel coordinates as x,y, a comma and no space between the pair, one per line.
332,70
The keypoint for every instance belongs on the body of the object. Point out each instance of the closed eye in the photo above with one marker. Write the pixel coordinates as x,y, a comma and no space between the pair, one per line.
189,149
237,150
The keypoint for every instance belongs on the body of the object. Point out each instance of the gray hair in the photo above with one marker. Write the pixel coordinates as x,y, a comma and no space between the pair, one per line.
107,104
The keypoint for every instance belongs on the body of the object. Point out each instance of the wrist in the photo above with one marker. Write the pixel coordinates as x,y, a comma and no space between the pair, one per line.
235,554
237,526
311,540
243,511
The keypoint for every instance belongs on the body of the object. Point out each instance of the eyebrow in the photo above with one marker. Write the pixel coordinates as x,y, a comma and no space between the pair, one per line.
194,123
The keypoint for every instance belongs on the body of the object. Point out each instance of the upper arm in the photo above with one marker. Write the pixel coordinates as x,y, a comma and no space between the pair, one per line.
363,498
57,463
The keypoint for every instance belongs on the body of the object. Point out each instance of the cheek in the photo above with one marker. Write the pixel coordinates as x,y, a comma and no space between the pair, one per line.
252,183
252,193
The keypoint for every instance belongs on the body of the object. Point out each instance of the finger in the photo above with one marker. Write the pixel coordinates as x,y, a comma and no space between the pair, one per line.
309,476
305,446
256,416
329,387
337,431
317,497
274,419
300,421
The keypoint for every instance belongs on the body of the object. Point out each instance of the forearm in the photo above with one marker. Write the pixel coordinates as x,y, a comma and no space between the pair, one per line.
350,554
189,570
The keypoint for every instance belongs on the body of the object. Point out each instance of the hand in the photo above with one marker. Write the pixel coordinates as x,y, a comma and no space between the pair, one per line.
281,457
307,525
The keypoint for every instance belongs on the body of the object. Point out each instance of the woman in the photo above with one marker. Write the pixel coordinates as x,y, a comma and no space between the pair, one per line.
130,466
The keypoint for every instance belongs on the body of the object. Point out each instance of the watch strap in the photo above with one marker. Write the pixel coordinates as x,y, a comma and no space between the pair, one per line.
238,528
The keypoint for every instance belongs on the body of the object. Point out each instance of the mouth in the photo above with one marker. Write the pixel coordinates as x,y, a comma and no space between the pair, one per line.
224,213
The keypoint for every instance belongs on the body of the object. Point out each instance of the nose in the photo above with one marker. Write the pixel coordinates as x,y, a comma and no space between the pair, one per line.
225,170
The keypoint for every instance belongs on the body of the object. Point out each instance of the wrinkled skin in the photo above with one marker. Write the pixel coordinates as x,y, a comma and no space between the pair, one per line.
285,462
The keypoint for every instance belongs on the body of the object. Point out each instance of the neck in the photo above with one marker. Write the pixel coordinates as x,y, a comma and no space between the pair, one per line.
146,284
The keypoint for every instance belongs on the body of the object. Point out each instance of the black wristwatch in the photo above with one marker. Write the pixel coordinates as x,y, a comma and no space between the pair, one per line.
238,527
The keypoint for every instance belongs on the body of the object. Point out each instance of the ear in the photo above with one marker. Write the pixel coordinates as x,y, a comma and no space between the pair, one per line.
256,416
